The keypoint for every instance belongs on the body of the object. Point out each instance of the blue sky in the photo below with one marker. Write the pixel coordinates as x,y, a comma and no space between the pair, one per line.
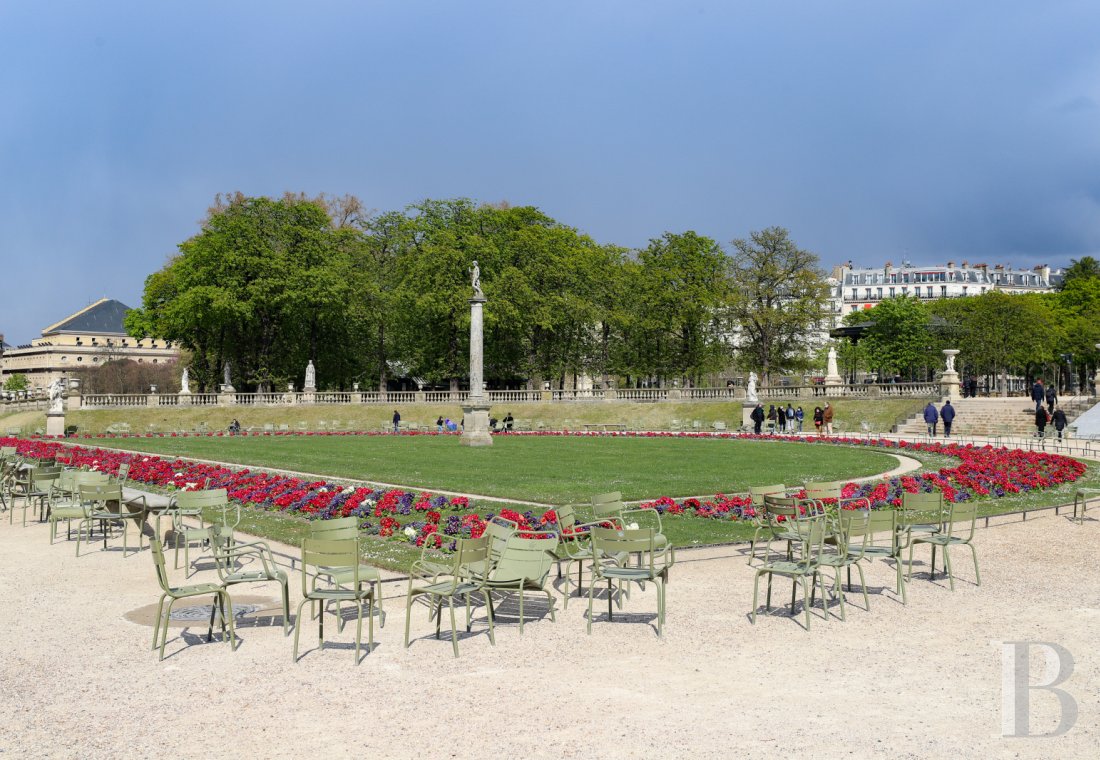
920,129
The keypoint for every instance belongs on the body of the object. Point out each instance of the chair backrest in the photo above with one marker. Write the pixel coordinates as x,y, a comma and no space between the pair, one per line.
526,558
64,483
853,534
100,493
882,526
605,505
611,542
498,530
921,508
44,478
7,451
336,529
123,472
567,517
776,507
324,553
195,502
71,480
961,520
824,490
638,517
158,563
757,493
812,531
470,553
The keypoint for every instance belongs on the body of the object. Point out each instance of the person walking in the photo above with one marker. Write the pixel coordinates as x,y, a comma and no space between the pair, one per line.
1051,398
790,418
819,419
973,384
781,413
771,418
1059,420
439,424
799,415
947,414
827,418
757,418
1038,394
396,420
931,418
1041,420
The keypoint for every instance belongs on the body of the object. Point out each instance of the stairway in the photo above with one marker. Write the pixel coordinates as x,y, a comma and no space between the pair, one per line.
994,416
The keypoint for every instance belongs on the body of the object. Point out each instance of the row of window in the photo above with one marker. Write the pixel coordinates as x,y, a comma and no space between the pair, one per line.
929,291
124,344
872,278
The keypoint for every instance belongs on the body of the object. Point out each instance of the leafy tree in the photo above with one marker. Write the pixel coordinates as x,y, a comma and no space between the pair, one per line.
16,382
899,341
1085,268
778,293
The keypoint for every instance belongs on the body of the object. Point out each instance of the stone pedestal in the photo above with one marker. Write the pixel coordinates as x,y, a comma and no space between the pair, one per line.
949,380
419,397
152,399
746,415
55,423
183,398
227,395
475,431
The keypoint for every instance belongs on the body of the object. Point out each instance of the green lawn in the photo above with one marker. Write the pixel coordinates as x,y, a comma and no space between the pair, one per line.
549,470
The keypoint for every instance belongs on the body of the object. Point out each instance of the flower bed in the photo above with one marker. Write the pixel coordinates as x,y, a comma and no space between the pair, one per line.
416,517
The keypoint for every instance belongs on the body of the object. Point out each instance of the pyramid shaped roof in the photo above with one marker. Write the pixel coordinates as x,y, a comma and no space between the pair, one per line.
104,317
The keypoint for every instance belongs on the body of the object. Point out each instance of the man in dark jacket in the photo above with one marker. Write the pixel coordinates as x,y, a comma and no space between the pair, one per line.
1037,393
757,418
931,418
1052,398
947,414
1041,420
1059,419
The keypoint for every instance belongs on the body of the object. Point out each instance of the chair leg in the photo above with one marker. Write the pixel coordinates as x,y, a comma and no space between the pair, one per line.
286,608
454,629
840,593
408,613
950,571
521,609
755,596
863,584
977,574
156,623
489,612
298,628
164,632
806,601
358,630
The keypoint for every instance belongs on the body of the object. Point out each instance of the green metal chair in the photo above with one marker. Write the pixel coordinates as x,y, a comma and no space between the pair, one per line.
884,541
780,514
805,566
760,521
524,565
343,528
98,500
958,531
826,496
574,545
469,552
250,562
611,550
607,506
33,485
849,536
193,504
922,512
65,503
318,585
222,602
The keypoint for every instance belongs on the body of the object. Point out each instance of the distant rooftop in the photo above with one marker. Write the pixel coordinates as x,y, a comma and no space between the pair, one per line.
104,317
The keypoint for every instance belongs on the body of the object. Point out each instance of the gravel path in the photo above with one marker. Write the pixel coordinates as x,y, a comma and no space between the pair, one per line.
77,678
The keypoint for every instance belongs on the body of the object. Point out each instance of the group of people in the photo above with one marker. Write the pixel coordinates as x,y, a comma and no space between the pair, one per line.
1052,414
932,418
789,420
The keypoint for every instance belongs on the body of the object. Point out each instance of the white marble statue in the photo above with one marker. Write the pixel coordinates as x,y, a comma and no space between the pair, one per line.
311,375
750,390
949,358
831,369
185,382
475,272
57,397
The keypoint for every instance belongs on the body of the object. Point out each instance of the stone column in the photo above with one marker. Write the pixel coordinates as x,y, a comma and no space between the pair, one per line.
949,380
73,398
476,408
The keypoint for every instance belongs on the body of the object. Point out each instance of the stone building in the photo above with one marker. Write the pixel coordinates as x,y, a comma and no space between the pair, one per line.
89,337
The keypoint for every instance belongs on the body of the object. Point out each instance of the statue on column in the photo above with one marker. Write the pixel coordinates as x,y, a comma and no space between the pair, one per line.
750,389
831,370
185,382
225,374
311,375
57,397
475,273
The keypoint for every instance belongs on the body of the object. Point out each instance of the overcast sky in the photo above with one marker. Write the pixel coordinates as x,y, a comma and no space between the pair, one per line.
925,130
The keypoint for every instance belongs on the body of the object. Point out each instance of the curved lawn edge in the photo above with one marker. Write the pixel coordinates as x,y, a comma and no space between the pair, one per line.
412,516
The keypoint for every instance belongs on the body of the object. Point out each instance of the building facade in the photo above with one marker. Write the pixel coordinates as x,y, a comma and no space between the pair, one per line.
857,288
88,338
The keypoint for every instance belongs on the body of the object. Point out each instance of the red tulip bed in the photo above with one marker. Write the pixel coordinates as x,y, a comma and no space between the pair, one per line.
413,517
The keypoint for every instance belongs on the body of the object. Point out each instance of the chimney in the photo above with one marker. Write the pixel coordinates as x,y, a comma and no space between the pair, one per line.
965,264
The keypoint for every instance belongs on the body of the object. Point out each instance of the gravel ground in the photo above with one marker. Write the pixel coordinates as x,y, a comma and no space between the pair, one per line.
78,679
